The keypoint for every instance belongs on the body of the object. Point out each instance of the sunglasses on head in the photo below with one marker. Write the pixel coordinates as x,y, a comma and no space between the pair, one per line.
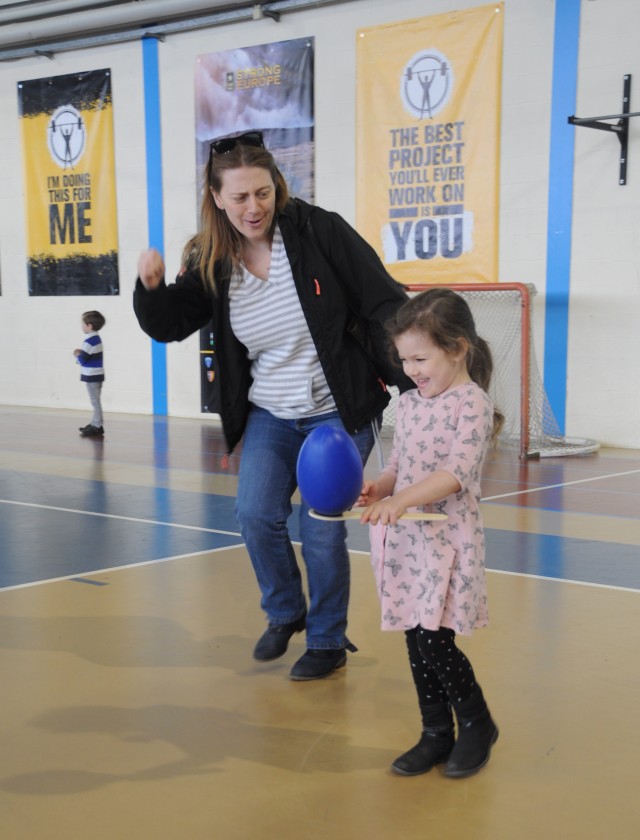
228,144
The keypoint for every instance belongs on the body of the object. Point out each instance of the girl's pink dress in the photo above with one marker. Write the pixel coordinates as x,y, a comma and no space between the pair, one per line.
432,573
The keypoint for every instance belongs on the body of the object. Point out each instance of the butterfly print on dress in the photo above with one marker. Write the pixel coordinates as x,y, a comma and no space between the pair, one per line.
431,424
474,440
394,566
434,578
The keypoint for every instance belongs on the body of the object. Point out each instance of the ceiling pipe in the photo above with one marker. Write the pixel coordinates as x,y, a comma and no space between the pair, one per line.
100,19
40,9
48,48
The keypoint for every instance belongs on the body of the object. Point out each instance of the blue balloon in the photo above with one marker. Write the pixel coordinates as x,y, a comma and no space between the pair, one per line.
329,471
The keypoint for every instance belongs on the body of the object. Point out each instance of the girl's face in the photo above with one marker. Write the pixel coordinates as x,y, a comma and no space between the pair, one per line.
433,369
248,197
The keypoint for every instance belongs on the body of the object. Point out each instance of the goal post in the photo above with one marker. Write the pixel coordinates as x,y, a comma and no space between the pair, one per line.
503,315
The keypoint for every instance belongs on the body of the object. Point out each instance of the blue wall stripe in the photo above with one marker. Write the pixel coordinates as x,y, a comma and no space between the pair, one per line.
155,210
560,210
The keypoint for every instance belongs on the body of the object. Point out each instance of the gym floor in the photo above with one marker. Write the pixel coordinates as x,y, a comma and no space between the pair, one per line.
132,707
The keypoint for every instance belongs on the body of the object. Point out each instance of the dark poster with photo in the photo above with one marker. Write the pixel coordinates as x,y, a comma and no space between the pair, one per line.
269,88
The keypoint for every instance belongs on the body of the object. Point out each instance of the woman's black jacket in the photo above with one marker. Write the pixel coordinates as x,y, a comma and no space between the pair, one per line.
346,296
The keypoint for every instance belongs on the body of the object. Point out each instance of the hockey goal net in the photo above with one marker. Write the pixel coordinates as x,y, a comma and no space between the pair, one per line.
503,315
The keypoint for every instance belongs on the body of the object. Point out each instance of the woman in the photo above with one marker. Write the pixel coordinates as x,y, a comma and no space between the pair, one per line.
291,290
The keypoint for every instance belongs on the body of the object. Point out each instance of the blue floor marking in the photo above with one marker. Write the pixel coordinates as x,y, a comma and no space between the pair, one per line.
157,503
564,558
40,544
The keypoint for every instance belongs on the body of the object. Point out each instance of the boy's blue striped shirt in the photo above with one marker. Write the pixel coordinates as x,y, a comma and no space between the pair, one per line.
90,359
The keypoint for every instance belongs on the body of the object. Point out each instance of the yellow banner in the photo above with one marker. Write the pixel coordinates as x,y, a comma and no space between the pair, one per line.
67,135
428,144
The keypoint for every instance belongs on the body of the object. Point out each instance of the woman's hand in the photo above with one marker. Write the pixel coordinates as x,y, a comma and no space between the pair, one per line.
150,269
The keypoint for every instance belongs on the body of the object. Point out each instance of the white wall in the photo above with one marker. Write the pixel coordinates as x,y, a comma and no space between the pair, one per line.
39,333
603,396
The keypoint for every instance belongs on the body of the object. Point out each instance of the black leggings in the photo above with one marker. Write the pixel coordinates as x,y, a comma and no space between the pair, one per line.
441,672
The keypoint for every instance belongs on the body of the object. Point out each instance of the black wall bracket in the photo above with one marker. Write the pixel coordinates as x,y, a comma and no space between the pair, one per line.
621,128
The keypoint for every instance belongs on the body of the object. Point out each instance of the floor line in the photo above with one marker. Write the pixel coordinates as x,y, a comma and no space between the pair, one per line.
124,518
554,486
565,580
109,569
537,577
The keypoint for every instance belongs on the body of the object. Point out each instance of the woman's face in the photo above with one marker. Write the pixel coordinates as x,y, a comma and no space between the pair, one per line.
248,197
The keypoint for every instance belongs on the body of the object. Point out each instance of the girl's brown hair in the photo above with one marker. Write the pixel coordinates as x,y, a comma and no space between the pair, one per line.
218,244
446,318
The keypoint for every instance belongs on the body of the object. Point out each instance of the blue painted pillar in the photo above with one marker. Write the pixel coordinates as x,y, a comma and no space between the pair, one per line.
155,209
560,210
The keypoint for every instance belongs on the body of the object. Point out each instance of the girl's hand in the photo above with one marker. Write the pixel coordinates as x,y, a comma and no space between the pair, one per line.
386,512
150,269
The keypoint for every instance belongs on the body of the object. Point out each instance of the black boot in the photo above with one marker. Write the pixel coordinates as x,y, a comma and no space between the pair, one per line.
477,733
275,640
317,664
435,744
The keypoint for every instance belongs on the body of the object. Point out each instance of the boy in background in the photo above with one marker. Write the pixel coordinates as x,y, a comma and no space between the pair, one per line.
90,359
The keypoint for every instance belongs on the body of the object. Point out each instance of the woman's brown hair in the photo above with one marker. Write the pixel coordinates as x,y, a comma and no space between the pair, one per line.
218,244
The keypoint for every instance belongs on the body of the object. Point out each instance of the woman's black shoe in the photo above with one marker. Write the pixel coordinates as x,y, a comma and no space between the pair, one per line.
275,640
316,664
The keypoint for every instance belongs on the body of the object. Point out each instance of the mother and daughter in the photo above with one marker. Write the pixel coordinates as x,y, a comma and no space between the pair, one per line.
290,289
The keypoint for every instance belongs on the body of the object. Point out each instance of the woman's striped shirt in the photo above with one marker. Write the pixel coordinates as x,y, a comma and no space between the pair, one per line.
266,316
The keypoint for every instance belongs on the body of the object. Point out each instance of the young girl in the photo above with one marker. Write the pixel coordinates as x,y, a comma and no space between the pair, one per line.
430,574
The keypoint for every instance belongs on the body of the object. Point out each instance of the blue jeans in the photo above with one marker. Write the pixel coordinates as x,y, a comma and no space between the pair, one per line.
266,483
